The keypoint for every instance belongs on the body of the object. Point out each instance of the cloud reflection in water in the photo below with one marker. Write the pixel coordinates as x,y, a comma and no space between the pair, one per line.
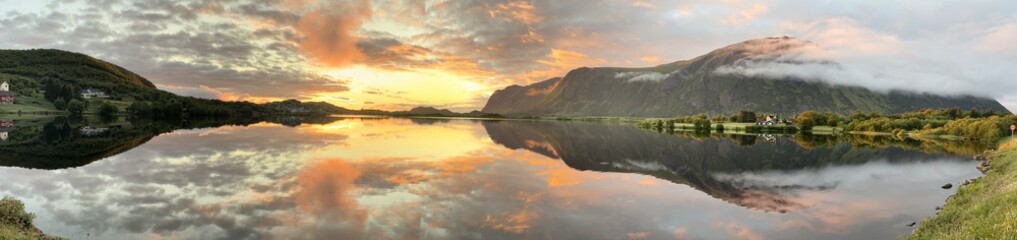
393,178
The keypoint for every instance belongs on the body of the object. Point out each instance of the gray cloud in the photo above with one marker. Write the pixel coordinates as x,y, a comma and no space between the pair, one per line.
940,63
957,46
176,45
641,76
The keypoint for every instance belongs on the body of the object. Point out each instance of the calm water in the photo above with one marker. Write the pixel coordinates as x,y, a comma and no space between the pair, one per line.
370,178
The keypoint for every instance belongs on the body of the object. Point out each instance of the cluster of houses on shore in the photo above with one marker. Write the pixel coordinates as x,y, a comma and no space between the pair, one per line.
773,120
7,96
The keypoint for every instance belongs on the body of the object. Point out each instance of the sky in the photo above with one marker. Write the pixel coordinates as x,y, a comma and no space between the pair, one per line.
394,55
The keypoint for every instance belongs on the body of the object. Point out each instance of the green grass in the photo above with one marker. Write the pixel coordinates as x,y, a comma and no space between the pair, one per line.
826,129
28,105
41,106
985,209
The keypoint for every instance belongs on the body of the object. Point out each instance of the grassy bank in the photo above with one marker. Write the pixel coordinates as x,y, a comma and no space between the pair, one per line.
985,209
15,223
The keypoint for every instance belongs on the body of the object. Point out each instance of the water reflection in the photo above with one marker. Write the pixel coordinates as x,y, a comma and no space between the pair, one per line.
709,163
356,178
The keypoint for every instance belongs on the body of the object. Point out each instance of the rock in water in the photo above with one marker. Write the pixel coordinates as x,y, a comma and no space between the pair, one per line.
947,186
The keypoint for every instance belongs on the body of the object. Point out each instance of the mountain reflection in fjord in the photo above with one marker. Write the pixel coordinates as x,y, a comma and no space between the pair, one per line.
372,178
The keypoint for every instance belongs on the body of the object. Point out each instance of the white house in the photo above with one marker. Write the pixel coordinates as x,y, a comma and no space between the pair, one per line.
93,131
771,120
6,96
88,93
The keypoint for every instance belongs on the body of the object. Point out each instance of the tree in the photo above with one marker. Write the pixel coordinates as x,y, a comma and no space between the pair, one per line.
108,109
76,107
140,108
806,120
60,104
746,116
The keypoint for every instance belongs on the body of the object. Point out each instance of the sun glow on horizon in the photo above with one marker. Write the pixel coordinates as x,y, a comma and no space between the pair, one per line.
385,89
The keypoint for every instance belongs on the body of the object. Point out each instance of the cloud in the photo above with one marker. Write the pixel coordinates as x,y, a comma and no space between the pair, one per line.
738,230
273,49
324,187
746,15
251,52
855,55
641,76
329,31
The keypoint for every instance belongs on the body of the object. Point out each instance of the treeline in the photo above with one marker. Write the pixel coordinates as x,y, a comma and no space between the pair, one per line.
740,117
700,122
984,126
703,122
172,106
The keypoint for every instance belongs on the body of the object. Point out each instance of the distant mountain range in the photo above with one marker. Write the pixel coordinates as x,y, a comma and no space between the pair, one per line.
31,71
694,86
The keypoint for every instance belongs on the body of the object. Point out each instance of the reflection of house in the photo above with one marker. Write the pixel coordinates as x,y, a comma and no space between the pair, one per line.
93,93
93,131
6,96
6,126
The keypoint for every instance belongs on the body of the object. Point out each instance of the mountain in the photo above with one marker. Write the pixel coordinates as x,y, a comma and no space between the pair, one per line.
430,111
296,107
695,86
41,78
72,67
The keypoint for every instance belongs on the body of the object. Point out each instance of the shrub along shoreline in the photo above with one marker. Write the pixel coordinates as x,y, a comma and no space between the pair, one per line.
984,208
15,223
986,127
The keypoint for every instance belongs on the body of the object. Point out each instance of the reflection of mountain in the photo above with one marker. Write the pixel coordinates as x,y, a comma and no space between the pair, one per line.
688,161
58,143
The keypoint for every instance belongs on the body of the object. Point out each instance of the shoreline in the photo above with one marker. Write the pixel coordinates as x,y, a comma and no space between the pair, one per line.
982,208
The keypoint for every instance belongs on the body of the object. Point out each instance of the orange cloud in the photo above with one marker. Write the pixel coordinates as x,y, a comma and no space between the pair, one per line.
637,235
325,187
517,222
744,16
519,11
739,230
650,59
559,62
329,32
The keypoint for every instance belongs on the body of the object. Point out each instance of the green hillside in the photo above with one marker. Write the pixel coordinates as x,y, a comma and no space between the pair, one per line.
694,86
53,82
71,67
